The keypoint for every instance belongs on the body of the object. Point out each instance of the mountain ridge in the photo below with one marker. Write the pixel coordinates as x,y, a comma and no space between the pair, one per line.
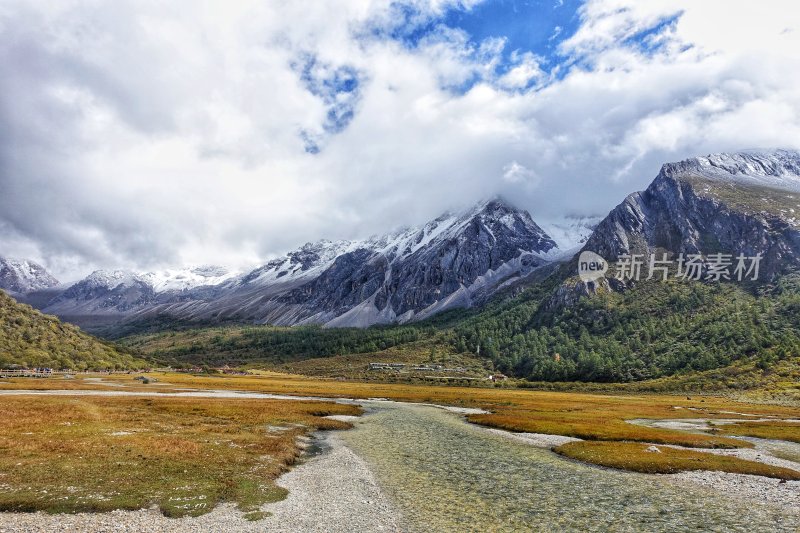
708,205
20,276
742,202
455,260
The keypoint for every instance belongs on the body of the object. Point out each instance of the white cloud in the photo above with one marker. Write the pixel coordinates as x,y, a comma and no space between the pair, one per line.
515,173
146,135
524,72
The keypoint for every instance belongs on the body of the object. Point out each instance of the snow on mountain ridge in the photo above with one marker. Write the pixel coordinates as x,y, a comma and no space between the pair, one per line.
570,231
23,276
163,280
457,259
776,169
305,262
311,259
187,278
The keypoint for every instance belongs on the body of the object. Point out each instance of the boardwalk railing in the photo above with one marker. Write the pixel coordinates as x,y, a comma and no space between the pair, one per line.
31,373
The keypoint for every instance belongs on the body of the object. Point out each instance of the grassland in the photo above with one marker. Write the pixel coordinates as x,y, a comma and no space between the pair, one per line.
73,454
664,460
789,431
748,198
588,416
600,419
274,345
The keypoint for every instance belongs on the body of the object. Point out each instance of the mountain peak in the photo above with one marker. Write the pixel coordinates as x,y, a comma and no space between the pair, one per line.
110,278
492,203
22,276
454,260
731,203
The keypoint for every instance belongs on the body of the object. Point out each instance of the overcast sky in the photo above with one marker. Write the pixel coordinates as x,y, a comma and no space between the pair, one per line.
146,134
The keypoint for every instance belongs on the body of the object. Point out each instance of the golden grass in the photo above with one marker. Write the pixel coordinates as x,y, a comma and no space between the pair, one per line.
81,382
636,457
185,455
604,423
779,430
355,366
594,417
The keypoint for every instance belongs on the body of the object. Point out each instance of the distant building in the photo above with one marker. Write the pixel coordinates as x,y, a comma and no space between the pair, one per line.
386,366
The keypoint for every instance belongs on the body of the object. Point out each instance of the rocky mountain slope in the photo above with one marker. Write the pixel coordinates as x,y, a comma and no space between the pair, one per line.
21,276
107,296
543,327
455,260
742,203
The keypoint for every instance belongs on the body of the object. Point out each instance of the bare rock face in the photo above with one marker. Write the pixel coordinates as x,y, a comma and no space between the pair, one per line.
425,271
452,261
743,203
740,203
23,276
726,203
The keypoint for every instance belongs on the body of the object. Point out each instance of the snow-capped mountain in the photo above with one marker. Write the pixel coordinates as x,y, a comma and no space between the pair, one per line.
571,231
453,261
21,276
741,203
776,169
187,278
111,292
104,292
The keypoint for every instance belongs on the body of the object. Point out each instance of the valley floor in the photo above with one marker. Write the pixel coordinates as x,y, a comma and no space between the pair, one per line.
406,466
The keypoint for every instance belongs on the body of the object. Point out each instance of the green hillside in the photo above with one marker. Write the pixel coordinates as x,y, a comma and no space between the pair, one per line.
653,330
29,338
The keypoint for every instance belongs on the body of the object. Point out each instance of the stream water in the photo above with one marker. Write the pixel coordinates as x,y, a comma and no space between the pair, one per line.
447,475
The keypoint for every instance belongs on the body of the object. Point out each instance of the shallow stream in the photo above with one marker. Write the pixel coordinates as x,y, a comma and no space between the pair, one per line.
448,475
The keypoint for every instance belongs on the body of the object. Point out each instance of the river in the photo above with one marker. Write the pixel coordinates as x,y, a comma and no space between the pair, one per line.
447,475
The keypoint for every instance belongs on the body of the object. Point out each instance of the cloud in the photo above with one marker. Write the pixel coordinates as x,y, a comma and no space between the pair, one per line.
515,173
142,135
524,71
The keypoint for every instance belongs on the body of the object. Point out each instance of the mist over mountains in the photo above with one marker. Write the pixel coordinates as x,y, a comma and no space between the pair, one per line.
742,202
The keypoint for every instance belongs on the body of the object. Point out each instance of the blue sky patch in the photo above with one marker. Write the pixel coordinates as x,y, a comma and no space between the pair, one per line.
527,26
647,40
339,89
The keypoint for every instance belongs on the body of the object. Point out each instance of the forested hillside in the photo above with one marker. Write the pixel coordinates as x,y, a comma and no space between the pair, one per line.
235,345
656,329
29,338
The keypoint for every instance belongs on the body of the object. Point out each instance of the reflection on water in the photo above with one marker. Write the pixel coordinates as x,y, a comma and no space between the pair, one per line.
447,475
